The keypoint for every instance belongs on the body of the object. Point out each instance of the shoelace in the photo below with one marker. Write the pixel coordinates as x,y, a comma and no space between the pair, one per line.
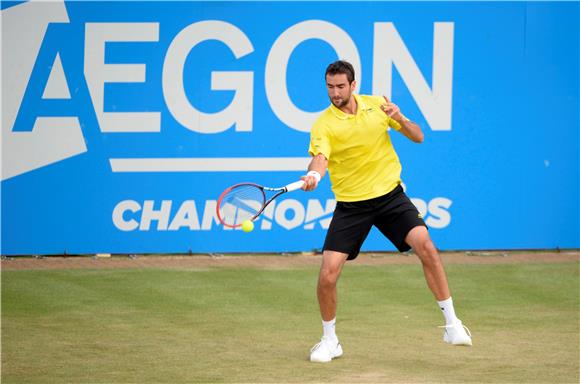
454,325
318,345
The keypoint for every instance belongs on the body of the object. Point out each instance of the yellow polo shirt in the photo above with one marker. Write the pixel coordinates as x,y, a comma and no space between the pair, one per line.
361,159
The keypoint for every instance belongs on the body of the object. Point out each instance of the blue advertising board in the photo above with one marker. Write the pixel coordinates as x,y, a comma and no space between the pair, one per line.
122,122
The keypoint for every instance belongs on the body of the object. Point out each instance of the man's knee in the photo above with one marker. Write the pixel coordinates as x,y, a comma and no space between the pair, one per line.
425,246
428,253
421,243
331,267
328,277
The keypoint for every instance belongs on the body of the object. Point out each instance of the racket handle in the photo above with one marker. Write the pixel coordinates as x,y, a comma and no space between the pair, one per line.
294,186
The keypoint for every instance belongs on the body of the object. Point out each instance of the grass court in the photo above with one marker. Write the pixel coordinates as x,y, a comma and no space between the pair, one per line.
223,325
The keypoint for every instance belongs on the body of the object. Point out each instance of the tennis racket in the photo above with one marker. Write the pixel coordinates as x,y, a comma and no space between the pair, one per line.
246,201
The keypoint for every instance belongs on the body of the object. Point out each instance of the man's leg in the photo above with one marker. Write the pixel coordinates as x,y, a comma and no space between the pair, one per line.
418,238
329,347
332,263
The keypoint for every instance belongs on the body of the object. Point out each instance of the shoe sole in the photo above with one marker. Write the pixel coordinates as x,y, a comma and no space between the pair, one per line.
464,343
327,361
320,361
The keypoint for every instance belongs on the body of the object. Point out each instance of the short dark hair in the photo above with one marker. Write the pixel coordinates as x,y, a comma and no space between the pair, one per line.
340,67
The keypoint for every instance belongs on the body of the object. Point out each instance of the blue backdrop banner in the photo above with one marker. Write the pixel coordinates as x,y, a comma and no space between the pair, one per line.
122,122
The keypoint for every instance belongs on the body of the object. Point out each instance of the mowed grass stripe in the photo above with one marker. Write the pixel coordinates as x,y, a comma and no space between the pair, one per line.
250,325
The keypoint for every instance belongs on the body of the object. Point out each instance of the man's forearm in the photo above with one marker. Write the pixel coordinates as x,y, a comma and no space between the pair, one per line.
318,164
411,130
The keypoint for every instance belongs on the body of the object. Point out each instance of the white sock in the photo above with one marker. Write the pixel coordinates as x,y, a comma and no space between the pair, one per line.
328,329
448,311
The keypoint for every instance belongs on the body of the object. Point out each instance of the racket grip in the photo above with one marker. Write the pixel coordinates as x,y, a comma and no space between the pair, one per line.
294,186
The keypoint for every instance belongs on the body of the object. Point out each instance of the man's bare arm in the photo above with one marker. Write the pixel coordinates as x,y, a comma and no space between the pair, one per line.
411,130
318,164
408,128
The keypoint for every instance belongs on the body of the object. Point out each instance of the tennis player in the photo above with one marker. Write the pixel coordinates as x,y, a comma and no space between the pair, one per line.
351,140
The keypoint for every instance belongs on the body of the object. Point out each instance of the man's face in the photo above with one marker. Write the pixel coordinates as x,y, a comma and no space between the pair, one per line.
339,90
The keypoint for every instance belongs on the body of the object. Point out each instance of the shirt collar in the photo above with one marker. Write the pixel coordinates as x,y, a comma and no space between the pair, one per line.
361,106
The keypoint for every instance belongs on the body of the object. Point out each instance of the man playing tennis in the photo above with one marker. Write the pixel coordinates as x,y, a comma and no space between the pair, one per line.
350,138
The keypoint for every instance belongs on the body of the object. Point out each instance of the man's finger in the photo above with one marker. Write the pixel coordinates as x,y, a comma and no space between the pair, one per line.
386,99
390,110
305,186
309,183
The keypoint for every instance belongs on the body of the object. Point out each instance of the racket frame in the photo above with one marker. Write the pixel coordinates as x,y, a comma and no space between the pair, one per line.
280,191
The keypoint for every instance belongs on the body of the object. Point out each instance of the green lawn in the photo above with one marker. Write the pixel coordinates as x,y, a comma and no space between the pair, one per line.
249,325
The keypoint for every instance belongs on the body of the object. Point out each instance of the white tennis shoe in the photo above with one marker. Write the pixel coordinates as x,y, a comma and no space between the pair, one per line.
325,351
457,334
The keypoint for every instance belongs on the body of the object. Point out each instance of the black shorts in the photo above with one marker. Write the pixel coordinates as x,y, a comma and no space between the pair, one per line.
393,214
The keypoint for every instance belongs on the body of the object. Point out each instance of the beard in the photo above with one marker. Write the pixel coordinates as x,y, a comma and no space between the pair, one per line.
339,103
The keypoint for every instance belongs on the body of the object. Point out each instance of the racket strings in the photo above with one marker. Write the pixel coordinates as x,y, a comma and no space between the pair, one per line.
241,203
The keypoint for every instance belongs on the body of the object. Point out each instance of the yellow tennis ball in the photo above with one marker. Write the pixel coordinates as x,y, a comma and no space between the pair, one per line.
248,226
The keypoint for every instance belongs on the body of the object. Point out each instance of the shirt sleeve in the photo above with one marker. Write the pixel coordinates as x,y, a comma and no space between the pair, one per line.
399,125
396,127
319,141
